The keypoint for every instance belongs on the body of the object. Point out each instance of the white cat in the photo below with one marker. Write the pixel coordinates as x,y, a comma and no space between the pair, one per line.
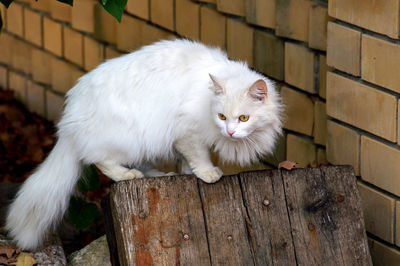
168,98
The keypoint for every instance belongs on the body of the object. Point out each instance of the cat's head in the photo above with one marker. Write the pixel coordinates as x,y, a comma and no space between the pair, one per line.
239,108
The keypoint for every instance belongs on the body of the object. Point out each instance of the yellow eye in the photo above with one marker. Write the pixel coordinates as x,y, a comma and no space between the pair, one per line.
221,116
243,118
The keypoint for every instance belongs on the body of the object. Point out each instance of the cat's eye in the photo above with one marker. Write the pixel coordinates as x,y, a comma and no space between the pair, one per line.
244,118
221,116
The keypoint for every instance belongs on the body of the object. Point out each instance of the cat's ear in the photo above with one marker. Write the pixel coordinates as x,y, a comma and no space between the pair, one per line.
218,89
258,91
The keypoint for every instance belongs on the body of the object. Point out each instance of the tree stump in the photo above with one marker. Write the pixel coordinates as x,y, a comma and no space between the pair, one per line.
275,217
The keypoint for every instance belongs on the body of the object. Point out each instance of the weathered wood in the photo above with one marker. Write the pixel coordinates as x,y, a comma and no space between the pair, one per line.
300,217
225,217
326,217
269,225
159,221
109,226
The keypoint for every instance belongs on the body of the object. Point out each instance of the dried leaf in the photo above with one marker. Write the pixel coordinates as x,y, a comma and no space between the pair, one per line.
8,251
5,261
288,165
25,259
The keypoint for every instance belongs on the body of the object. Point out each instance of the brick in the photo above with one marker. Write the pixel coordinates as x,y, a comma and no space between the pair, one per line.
6,44
138,8
317,27
381,16
320,119
239,41
379,165
3,11
234,7
212,27
168,167
129,34
3,77
301,150
321,157
383,255
42,5
64,75
362,106
61,11
15,19
134,33
105,28
93,53
379,62
41,66
73,45
378,212
269,54
52,36
299,111
343,48
292,19
342,145
261,13
398,122
397,230
35,98
162,13
150,34
278,154
233,169
187,19
18,84
33,27
83,15
299,67
21,56
54,106
111,53
323,69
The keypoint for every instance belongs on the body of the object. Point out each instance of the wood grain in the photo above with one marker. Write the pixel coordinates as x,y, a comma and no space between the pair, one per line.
273,217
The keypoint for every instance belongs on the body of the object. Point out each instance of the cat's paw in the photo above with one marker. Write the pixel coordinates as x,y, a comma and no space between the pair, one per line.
132,173
210,176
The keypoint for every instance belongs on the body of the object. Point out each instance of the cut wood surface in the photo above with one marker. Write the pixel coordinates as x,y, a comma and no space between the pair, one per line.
306,216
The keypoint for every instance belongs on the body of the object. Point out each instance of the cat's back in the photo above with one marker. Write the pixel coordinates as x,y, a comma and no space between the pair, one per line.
169,61
182,51
165,74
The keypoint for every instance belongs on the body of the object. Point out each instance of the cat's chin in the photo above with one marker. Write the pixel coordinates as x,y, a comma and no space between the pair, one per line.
234,138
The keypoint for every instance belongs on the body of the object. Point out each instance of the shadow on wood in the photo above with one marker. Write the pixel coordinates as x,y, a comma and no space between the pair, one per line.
301,217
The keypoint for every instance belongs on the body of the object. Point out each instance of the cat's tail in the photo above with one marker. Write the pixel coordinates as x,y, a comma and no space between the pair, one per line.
44,197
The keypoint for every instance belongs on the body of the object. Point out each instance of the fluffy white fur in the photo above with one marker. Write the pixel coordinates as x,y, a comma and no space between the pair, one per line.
142,107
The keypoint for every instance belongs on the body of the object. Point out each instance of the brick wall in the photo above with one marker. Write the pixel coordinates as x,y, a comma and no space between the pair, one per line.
335,63
362,96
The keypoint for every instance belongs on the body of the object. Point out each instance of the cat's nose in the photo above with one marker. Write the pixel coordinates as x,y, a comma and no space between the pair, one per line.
231,132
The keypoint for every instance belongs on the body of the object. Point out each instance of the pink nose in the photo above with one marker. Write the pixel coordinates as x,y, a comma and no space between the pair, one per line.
231,132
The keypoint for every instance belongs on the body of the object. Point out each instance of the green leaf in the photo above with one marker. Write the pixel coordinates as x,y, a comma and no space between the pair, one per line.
82,214
104,2
6,2
89,180
115,8
69,2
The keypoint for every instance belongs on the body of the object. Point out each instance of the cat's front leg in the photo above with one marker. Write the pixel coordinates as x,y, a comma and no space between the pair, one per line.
198,157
